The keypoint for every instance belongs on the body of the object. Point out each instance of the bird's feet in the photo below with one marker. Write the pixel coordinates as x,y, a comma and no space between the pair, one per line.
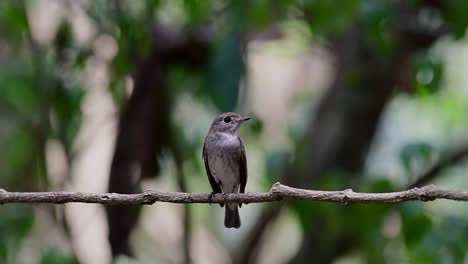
210,198
225,196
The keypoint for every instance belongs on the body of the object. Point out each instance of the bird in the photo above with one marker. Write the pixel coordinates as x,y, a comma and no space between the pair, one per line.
226,162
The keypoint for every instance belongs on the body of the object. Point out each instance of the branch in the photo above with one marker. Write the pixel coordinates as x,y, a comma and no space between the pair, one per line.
435,170
277,192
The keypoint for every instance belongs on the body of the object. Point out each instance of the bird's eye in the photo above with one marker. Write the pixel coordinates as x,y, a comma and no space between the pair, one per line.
227,119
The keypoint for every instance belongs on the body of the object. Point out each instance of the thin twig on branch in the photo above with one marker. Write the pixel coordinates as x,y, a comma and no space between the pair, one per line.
435,170
277,192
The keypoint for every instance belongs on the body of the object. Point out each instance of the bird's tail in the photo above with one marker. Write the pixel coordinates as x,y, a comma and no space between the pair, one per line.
231,217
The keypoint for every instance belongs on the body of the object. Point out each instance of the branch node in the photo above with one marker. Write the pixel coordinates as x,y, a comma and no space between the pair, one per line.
106,197
59,200
423,197
346,200
275,188
277,197
150,197
426,193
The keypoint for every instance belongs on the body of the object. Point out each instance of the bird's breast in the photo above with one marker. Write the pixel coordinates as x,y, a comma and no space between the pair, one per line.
223,157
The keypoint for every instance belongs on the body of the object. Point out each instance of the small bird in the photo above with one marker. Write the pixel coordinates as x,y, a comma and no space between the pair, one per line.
225,162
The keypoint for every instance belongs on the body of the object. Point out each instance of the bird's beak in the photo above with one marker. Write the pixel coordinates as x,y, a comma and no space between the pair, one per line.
245,118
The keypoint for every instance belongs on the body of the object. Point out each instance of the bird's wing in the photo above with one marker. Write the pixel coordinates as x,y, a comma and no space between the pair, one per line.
213,183
242,167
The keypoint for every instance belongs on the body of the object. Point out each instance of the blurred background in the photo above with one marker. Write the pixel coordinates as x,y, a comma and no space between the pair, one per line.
117,96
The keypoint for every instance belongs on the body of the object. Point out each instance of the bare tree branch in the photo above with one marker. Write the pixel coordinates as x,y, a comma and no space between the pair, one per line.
277,192
435,170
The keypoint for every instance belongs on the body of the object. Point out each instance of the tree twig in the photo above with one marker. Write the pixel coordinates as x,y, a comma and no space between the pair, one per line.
277,192
435,170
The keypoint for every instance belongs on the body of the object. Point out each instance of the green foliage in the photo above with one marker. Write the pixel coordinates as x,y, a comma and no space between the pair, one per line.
443,242
275,166
17,154
359,223
55,256
375,18
413,156
13,20
415,223
255,126
227,68
261,12
18,91
428,75
226,72
456,16
67,106
197,11
133,43
326,19
15,224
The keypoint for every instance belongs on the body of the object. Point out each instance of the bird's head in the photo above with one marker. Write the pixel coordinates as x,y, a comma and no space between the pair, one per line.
228,122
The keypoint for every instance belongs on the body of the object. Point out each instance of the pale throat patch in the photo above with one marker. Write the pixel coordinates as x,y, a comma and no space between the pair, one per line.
228,139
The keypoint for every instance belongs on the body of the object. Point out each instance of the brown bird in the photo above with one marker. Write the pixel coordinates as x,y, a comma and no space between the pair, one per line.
225,162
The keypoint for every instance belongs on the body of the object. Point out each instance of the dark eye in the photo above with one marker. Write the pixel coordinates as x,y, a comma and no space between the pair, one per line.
227,119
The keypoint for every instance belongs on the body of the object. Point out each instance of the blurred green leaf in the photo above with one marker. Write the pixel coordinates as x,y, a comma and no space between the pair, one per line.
368,228
360,226
428,75
17,152
55,256
151,5
456,16
197,11
255,125
226,72
117,90
260,11
15,223
23,99
67,105
275,166
375,18
19,90
415,222
421,256
325,217
376,185
182,141
326,19
64,38
133,40
416,155
444,242
13,19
